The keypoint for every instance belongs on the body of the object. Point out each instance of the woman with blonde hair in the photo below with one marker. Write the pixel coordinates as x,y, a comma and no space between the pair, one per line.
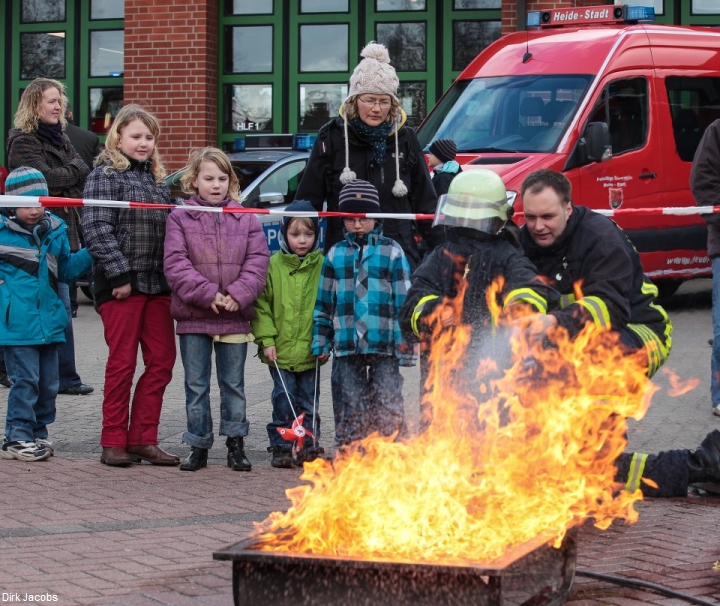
39,141
369,141
131,292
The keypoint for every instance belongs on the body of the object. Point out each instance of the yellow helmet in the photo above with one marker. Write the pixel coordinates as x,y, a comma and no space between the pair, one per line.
477,199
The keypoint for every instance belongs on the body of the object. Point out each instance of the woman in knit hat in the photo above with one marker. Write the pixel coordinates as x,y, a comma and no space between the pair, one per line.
369,141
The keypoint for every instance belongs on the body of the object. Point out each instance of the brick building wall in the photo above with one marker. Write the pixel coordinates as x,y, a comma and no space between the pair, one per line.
181,88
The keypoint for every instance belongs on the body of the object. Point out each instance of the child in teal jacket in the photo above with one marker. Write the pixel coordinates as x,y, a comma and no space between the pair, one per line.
282,328
36,256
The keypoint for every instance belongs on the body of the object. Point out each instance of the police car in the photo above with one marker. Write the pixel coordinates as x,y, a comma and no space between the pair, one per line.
269,168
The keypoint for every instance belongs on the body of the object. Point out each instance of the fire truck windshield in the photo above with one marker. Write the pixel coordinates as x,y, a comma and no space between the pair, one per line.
506,114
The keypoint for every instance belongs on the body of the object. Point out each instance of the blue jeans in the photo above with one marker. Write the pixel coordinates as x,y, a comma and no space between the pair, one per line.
367,396
196,353
715,358
302,388
31,400
66,351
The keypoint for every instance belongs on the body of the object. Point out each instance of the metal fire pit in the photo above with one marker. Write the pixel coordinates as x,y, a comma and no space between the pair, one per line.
532,575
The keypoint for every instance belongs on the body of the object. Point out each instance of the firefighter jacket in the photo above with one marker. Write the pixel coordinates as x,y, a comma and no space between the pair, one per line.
477,259
594,253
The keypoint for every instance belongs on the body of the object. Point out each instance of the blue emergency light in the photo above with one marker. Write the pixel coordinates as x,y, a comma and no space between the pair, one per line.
640,13
239,144
533,19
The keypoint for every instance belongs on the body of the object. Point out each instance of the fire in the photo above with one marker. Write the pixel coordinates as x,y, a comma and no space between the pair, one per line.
524,448
678,387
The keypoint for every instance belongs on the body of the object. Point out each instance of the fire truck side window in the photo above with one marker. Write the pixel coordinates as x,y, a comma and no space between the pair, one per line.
694,105
625,102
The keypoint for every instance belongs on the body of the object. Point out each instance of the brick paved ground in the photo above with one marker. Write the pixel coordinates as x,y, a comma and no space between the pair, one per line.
145,535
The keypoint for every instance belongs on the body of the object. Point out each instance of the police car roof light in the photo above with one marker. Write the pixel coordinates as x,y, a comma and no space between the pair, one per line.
590,15
304,141
239,144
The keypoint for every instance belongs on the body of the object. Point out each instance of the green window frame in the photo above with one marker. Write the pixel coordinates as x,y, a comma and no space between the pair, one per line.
89,87
450,16
417,79
16,84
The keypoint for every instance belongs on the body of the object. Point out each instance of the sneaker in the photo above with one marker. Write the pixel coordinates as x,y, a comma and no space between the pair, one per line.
716,411
5,380
24,451
46,444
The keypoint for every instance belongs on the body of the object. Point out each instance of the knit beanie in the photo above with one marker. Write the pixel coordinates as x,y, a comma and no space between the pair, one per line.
443,149
26,181
375,76
300,206
359,197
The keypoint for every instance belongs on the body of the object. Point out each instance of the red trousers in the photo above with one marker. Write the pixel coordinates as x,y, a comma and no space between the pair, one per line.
144,321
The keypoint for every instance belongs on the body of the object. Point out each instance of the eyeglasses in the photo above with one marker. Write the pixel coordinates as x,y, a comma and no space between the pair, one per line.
351,222
373,102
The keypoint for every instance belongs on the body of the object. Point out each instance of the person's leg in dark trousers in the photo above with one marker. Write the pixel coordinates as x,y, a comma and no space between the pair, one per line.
70,381
73,298
4,377
387,406
350,395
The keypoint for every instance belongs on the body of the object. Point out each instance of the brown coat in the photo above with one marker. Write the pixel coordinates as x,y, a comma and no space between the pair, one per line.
63,168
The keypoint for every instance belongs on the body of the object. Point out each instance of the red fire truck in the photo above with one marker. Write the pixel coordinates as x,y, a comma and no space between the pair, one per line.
614,102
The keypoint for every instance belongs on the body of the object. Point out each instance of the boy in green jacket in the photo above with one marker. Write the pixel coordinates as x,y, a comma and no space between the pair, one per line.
282,328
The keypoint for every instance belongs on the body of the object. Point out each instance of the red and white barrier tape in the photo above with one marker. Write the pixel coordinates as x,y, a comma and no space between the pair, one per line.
53,202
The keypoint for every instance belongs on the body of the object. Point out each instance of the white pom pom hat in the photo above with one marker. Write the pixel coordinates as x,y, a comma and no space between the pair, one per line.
374,75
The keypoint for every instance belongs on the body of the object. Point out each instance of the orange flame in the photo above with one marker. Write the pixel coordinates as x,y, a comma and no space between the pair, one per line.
520,449
678,387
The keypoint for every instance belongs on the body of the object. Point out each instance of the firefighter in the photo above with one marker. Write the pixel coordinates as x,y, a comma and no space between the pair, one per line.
572,244
478,249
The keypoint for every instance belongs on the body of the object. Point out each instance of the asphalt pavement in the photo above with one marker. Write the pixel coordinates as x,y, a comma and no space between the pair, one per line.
74,531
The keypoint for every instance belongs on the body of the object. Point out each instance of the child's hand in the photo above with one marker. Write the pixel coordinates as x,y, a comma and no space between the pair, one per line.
447,316
218,301
231,304
122,292
270,353
323,357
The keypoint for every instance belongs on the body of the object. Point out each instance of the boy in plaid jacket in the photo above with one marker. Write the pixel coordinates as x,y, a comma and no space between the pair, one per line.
364,280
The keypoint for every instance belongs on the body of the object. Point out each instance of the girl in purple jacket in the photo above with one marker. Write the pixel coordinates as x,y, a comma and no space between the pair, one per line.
215,264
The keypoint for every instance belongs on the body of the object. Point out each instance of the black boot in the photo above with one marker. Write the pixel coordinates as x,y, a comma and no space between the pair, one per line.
5,379
704,461
236,455
197,459
281,457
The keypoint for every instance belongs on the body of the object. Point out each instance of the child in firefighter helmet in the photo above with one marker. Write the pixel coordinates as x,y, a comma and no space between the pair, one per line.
478,251
476,200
